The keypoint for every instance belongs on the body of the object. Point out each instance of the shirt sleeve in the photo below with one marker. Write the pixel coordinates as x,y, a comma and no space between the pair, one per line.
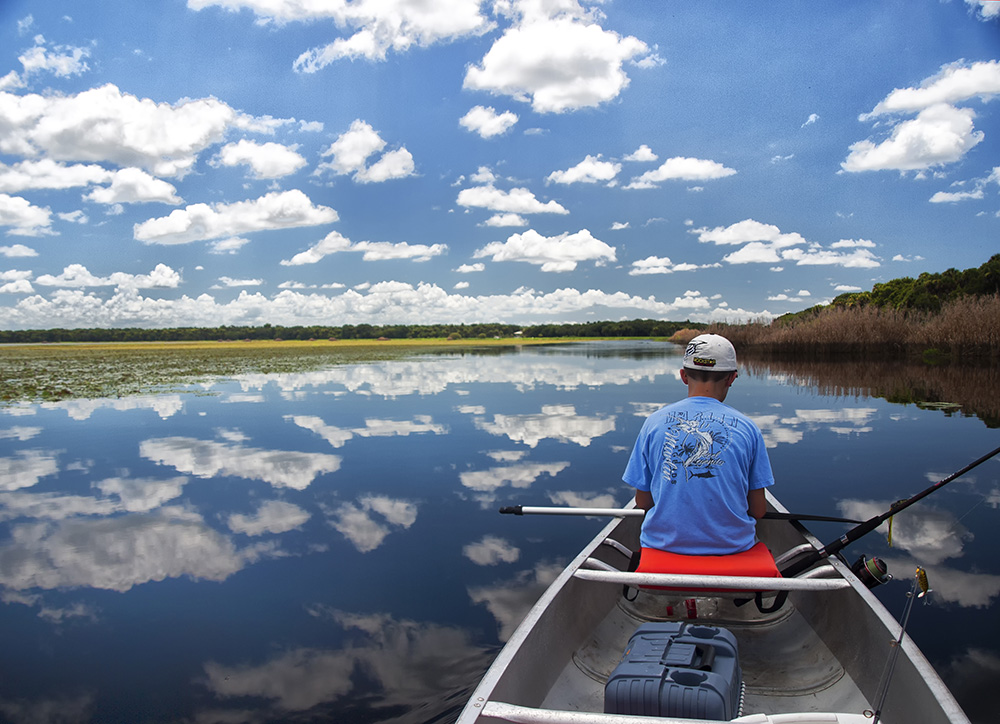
637,472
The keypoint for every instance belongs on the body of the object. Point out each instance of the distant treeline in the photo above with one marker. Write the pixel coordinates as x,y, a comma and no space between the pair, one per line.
927,293
633,328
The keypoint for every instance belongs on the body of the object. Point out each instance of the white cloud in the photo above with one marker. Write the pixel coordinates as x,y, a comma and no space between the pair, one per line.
939,135
956,82
48,174
378,27
662,265
554,254
984,9
62,61
266,160
229,246
78,276
17,250
813,118
23,218
133,185
508,219
942,197
766,244
198,222
335,243
354,147
683,169
589,170
162,138
485,121
469,268
643,153
517,201
229,283
557,64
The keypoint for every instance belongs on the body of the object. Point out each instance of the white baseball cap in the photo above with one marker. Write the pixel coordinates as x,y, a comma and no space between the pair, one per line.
710,352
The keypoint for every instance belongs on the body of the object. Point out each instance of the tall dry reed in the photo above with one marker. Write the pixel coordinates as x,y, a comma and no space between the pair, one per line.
966,328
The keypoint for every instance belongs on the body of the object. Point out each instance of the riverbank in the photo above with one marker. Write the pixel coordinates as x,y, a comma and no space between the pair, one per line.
964,329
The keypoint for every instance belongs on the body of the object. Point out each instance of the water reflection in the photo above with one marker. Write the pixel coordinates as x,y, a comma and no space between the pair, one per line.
375,584
209,459
402,670
118,553
553,422
367,522
969,390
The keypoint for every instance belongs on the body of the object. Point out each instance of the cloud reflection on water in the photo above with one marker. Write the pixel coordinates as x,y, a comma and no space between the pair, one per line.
209,459
420,668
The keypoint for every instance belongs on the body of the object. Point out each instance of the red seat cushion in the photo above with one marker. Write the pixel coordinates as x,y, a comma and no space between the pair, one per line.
757,561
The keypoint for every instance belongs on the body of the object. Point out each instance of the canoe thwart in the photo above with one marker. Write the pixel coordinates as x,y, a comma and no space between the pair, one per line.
687,581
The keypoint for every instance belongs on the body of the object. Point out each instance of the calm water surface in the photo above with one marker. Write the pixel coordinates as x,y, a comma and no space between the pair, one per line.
325,546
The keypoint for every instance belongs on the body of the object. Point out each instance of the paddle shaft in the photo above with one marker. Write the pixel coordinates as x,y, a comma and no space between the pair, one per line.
871,524
639,512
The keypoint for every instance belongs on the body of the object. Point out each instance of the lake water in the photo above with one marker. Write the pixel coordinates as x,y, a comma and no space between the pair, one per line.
325,546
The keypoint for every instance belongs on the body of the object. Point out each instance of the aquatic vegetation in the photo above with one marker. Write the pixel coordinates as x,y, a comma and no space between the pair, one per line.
33,373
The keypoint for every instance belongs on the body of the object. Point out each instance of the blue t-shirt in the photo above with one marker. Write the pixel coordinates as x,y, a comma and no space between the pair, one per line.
699,458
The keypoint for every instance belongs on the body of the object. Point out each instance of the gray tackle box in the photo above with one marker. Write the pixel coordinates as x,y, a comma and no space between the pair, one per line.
677,669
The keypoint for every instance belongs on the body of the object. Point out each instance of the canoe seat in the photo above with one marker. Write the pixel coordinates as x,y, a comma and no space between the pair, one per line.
756,562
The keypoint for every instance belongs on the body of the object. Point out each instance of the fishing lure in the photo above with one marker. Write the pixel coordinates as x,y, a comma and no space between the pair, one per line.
922,583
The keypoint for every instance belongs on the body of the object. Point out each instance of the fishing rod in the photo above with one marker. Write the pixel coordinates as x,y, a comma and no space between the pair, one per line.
804,562
639,512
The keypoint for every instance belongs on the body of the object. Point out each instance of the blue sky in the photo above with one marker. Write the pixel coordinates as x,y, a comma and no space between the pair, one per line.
249,161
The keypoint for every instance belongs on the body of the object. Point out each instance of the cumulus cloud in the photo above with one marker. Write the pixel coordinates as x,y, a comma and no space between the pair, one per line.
48,174
382,303
485,121
681,169
507,219
515,201
554,254
133,185
23,218
589,170
767,244
334,243
162,138
377,27
939,135
266,160
62,61
78,276
199,222
557,63
643,153
984,9
352,149
661,265
956,82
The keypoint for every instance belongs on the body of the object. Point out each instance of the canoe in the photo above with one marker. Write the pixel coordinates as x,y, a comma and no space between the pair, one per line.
820,657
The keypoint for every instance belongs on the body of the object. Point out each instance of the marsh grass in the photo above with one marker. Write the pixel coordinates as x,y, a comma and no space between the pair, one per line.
47,372
965,329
